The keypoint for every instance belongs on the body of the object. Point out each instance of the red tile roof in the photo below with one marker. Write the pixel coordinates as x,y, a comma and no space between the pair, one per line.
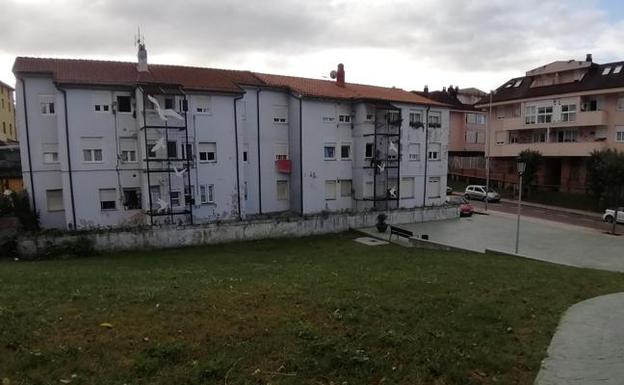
329,89
99,72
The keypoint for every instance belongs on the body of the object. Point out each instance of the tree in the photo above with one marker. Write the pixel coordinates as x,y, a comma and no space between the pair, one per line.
605,176
532,160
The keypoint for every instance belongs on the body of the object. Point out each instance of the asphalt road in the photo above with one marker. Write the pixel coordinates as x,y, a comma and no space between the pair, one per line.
591,221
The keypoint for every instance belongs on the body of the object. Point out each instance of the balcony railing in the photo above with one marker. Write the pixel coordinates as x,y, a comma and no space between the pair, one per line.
549,149
584,118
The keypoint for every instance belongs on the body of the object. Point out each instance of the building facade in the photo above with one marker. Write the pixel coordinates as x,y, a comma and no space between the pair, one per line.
467,131
8,131
565,110
116,144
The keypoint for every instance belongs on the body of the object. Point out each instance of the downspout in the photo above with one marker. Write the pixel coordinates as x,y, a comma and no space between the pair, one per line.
259,167
426,155
69,167
301,152
32,179
240,216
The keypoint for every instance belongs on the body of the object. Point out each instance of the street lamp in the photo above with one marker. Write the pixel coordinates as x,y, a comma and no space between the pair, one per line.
521,167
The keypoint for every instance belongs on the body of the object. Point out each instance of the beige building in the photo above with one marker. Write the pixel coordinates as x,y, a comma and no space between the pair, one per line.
565,110
8,132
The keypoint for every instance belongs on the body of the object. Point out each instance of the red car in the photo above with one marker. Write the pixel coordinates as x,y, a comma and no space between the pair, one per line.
465,208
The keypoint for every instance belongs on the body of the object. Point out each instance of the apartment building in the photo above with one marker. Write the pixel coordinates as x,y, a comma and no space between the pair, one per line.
467,131
8,131
116,143
565,110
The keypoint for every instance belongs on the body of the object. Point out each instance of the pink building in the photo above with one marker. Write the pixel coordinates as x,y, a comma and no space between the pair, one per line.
565,110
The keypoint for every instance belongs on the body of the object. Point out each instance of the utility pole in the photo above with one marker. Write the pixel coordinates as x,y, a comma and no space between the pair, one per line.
487,153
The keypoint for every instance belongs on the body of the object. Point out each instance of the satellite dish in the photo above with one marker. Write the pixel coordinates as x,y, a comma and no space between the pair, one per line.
332,74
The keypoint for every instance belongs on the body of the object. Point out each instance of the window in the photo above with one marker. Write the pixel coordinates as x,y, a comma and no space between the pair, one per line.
475,119
4,126
281,151
187,150
619,134
568,113
150,152
393,118
539,137
189,192
92,155
208,152
435,120
433,151
123,103
369,191
415,119
433,187
101,101
280,114
344,118
172,149
245,190
567,135
47,104
413,151
329,151
282,190
616,70
175,198
50,153
203,104
169,103
328,119
407,187
155,195
517,83
620,103
345,188
345,151
101,107
530,115
245,153
370,113
544,114
606,71
127,146
132,198
330,190
108,199
368,151
206,193
54,200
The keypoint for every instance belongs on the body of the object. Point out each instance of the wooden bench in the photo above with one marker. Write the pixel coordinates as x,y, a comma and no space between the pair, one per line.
400,232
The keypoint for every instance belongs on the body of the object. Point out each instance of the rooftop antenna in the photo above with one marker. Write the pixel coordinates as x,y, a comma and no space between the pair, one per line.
138,38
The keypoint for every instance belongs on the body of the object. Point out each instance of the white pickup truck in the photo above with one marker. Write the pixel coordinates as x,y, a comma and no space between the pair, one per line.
609,214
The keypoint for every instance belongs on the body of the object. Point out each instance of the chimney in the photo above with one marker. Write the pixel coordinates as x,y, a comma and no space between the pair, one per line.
142,56
340,76
443,89
588,58
426,90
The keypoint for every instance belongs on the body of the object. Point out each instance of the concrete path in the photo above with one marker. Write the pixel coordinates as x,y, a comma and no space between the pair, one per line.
588,346
539,239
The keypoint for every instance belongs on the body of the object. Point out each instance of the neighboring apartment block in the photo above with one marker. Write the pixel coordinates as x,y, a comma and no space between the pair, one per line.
8,131
114,143
565,110
467,131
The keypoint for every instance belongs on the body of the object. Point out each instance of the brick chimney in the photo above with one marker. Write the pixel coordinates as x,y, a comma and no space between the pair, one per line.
340,76
426,91
589,58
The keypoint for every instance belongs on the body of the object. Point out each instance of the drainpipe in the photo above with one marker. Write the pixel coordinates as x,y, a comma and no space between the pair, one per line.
301,152
259,167
69,167
32,179
426,155
240,216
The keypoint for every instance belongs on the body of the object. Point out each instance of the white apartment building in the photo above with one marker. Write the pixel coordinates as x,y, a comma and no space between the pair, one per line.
218,144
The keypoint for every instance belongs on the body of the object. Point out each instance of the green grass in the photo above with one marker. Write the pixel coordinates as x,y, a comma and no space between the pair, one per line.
318,310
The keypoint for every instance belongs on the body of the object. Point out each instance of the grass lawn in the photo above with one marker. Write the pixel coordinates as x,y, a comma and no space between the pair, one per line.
318,310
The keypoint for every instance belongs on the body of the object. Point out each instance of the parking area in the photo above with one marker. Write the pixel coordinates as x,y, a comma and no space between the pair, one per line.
539,239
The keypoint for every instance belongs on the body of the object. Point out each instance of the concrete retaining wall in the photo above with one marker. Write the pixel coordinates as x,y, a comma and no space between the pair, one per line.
180,236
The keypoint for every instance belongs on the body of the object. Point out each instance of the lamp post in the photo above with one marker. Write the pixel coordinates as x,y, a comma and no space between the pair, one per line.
521,167
487,153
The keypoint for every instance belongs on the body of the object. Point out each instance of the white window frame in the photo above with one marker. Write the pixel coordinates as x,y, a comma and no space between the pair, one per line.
346,144
108,191
343,188
617,69
92,152
434,179
204,149
245,156
568,112
620,103
619,134
50,157
403,187
433,155
47,105
206,194
344,118
416,118
330,190
179,198
413,156
544,114
530,115
435,119
325,147
372,147
202,105
129,102
280,114
284,193
128,150
281,151
61,204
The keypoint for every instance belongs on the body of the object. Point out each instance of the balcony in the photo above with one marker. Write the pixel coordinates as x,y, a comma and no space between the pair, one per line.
548,149
583,119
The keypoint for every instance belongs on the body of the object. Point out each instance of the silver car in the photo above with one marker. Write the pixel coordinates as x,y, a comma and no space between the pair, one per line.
478,192
609,214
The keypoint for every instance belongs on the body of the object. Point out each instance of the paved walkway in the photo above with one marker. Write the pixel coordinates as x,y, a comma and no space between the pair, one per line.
539,239
588,346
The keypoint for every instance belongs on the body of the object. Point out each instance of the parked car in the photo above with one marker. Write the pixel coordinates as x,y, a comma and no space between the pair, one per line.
479,192
465,208
609,214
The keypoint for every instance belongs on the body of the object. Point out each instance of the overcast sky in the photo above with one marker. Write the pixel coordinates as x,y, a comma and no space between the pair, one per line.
402,43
